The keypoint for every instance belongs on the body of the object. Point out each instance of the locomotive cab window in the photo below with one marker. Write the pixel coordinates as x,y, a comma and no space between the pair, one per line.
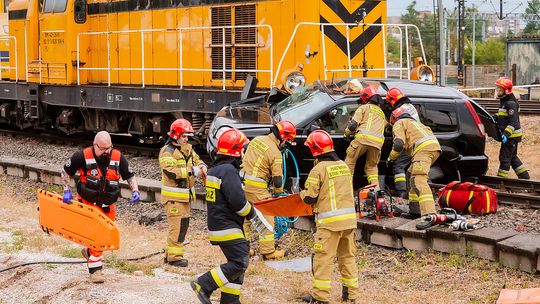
54,6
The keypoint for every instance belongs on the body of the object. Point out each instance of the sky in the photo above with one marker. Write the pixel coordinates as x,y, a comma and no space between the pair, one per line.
397,7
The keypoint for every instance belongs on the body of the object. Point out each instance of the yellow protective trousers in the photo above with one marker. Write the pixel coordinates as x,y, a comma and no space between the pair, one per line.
419,189
373,155
329,244
178,219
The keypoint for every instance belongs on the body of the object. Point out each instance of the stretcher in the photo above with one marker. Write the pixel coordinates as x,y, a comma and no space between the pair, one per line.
290,205
77,222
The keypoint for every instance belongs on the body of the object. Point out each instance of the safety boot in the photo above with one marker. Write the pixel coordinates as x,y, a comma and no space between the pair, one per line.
201,294
345,295
414,211
179,263
310,299
277,254
97,277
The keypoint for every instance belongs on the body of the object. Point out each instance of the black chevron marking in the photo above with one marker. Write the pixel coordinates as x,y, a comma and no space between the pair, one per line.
357,44
343,13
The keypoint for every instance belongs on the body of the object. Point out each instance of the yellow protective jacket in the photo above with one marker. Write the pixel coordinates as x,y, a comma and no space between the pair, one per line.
262,165
412,136
368,123
177,179
329,189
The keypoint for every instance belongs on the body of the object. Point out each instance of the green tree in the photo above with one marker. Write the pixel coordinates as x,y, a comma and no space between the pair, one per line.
491,51
426,24
532,18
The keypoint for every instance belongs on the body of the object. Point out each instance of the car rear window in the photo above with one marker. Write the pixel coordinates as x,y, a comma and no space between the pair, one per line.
439,117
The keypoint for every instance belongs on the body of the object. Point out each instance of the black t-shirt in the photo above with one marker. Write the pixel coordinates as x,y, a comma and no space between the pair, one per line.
77,162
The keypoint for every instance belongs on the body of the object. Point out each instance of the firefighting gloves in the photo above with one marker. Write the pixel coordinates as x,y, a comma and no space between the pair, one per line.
389,163
197,170
135,197
67,197
504,139
260,224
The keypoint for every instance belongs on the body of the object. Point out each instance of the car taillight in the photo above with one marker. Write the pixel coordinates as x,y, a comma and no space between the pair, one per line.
477,120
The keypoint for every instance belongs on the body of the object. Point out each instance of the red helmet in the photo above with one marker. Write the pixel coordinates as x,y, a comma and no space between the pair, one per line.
180,126
319,142
231,143
506,84
286,130
394,95
367,93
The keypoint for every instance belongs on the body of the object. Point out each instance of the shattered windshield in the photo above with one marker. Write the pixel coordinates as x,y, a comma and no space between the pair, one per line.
303,104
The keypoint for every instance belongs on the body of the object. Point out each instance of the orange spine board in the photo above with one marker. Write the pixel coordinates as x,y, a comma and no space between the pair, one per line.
291,205
77,222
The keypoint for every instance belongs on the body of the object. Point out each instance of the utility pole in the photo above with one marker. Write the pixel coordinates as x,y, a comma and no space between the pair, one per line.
461,40
473,48
442,40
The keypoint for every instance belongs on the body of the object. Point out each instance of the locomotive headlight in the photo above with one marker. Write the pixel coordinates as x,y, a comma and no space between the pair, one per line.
423,73
294,81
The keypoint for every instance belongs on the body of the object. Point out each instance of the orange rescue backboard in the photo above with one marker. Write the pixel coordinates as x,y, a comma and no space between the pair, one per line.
291,205
77,222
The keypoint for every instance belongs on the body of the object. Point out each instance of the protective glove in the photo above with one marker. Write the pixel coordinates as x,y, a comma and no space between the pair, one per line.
196,171
504,139
389,163
135,197
67,197
204,170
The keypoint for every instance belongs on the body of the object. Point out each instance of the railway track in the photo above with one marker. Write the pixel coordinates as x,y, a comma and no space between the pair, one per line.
517,192
125,144
525,106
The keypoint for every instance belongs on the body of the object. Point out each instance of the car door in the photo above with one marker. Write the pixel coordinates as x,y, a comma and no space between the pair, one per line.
334,121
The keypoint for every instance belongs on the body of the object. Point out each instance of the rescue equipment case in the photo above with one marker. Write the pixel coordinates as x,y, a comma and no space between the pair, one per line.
468,197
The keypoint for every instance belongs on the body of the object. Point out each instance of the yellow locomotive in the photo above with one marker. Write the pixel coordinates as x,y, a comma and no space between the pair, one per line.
132,66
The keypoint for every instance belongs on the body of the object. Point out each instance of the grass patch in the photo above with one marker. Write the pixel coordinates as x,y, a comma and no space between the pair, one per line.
53,188
122,265
71,252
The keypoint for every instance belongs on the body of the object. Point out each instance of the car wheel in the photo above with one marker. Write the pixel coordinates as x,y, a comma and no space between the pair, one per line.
443,173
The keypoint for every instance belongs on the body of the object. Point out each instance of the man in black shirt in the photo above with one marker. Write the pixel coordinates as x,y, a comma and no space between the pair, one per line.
100,168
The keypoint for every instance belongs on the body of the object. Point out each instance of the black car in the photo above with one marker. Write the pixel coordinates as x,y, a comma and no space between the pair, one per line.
459,123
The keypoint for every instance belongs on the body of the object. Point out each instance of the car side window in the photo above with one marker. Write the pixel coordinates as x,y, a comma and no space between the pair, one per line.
439,117
335,121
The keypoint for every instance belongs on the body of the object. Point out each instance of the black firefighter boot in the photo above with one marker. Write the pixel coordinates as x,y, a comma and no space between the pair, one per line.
414,211
345,295
310,299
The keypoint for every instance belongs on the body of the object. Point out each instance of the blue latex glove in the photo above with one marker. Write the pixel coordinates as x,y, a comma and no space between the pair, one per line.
67,197
504,139
135,197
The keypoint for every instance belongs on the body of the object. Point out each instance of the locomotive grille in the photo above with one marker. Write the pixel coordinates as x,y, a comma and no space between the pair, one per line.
243,46
221,16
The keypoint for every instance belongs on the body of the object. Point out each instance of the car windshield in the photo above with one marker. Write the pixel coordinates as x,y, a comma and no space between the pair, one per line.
303,105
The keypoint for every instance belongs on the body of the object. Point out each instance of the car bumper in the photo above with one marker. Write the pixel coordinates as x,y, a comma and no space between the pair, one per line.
472,166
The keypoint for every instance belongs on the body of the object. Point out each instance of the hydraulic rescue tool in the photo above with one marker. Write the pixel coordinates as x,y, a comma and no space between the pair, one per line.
374,203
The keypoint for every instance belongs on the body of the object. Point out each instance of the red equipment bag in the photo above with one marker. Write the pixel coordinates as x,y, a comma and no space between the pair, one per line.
468,197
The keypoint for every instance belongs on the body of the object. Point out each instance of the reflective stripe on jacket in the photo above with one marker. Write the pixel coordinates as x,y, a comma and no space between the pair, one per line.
330,182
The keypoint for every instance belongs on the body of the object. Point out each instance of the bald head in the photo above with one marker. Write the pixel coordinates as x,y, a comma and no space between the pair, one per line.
102,143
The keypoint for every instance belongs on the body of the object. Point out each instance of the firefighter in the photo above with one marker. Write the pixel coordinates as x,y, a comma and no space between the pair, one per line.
367,127
329,190
422,146
227,208
401,164
100,168
179,167
507,119
262,166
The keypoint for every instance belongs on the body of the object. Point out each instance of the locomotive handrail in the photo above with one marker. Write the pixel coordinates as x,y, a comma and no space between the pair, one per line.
181,68
349,67
16,68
